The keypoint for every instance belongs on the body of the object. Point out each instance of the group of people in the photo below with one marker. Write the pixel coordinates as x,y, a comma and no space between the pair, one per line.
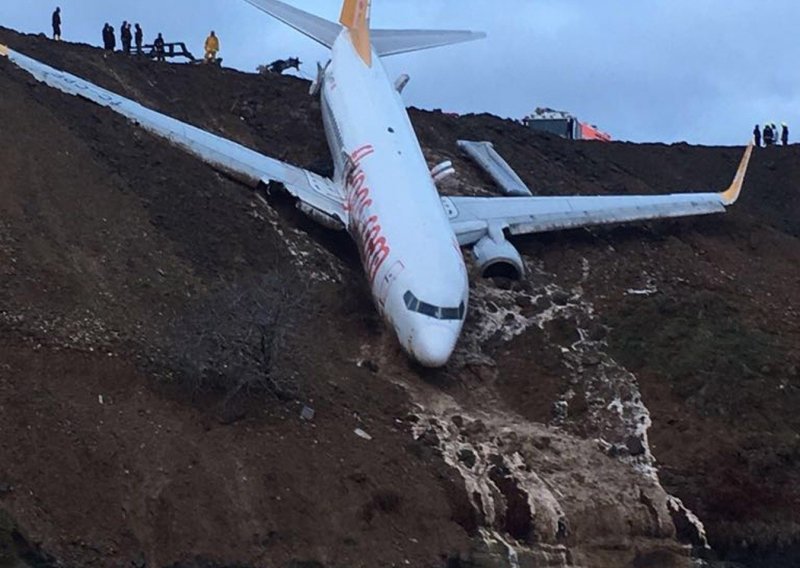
129,38
771,134
126,36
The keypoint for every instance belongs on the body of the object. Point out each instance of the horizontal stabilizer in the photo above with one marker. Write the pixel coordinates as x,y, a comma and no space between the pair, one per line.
394,42
318,29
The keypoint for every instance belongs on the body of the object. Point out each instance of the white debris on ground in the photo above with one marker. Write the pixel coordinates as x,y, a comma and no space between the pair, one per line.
491,452
362,434
308,254
649,288
82,330
501,456
617,413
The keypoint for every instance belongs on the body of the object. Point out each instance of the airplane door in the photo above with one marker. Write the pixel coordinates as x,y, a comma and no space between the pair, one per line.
389,279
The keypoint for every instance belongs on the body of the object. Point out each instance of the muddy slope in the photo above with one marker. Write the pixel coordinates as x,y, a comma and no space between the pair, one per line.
162,329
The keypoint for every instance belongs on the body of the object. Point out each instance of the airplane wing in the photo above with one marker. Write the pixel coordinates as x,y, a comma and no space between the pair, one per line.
473,217
318,197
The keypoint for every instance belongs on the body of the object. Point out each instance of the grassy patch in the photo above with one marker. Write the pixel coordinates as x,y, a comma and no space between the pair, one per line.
700,344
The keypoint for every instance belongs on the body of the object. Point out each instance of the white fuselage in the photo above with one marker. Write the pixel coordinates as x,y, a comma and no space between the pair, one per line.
410,254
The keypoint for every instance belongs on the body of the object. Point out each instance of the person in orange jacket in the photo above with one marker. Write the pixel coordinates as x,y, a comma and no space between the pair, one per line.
212,47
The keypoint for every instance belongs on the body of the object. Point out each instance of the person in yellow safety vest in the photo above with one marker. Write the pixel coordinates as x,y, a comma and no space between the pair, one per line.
212,47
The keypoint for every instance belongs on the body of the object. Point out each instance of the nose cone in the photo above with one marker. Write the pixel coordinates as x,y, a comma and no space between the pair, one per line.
432,345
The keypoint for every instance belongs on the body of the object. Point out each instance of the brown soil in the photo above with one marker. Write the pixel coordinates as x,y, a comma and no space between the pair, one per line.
159,338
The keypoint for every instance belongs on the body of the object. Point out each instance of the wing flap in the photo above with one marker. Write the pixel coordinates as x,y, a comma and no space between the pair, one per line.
395,42
245,164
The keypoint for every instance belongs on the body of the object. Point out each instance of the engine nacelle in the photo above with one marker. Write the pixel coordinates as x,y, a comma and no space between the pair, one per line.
496,257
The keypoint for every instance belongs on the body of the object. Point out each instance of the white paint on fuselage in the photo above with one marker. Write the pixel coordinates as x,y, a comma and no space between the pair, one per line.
396,216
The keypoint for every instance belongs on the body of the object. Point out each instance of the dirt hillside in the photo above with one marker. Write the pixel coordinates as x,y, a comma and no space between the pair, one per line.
162,327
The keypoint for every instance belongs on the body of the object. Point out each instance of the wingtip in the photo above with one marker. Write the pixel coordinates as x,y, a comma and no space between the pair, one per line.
730,195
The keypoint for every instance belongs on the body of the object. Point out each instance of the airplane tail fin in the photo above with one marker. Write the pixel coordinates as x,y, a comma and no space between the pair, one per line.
355,17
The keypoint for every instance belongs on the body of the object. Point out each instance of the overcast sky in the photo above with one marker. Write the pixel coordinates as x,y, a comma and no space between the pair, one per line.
704,71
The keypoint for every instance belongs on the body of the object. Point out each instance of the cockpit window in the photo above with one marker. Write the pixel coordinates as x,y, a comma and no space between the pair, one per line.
436,312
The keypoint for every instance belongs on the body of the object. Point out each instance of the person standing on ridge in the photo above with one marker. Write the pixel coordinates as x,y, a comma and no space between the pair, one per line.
769,136
57,24
212,48
757,136
109,40
138,36
126,37
158,47
784,134
106,40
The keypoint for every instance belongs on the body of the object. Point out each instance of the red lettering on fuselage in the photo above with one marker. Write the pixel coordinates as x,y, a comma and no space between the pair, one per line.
364,226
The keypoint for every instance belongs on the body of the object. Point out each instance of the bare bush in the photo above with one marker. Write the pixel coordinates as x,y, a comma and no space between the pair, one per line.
235,340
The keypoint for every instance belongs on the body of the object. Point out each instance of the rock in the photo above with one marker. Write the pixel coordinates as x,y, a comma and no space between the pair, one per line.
560,409
562,530
688,527
560,298
307,414
468,458
475,428
635,446
591,359
429,438
597,332
542,303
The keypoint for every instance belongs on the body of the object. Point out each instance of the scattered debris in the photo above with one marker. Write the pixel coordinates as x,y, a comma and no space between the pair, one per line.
307,414
362,434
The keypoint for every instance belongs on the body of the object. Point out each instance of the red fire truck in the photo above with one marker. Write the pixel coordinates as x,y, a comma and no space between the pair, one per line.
564,124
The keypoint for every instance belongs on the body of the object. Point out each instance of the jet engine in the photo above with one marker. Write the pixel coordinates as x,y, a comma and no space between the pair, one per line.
496,257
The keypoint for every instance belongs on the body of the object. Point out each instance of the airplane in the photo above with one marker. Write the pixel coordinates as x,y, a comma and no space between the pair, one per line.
382,191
